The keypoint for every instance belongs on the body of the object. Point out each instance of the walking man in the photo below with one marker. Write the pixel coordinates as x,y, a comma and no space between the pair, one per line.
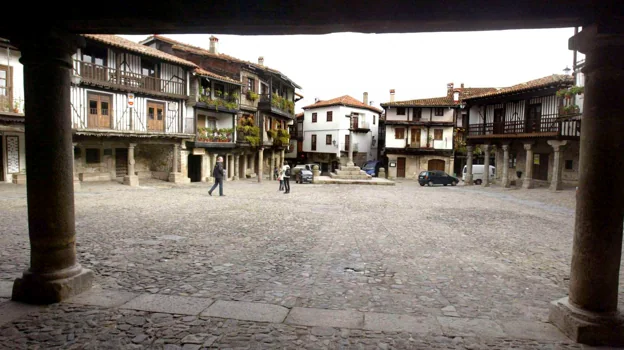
217,173
286,171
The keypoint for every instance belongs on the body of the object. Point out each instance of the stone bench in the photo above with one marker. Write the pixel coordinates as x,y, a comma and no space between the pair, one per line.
94,177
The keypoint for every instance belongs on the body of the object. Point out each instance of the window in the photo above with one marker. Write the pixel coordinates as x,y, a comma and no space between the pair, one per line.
401,111
347,142
328,139
94,54
437,134
93,155
438,112
512,160
417,113
219,89
264,89
251,84
569,164
399,133
314,142
6,96
313,117
374,119
148,68
330,116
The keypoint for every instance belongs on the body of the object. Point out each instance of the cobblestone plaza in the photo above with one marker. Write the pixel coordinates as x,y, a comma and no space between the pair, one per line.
326,266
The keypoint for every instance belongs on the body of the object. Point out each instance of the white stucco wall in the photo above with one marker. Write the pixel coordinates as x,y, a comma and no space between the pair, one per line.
12,60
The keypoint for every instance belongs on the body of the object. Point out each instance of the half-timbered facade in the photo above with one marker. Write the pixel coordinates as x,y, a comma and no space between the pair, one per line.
331,126
266,106
419,134
128,106
535,130
12,142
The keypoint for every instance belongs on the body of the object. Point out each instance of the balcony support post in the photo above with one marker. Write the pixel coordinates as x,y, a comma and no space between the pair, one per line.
486,165
468,179
505,181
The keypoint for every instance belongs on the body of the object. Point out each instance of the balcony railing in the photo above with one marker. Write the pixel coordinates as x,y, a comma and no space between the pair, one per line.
91,72
221,104
274,101
568,126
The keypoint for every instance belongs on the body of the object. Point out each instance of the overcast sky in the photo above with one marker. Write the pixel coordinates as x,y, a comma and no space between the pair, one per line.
415,65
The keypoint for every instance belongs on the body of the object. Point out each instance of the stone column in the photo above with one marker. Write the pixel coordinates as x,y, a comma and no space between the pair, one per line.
245,165
486,165
176,176
283,157
469,150
131,179
350,161
236,169
528,171
273,165
176,149
213,162
231,166
184,154
260,162
590,315
505,165
556,182
205,167
76,180
54,273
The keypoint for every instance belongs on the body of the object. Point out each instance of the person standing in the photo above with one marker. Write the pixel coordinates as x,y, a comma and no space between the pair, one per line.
217,173
286,171
280,177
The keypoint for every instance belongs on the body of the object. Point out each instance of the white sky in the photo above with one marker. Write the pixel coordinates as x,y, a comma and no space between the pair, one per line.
416,65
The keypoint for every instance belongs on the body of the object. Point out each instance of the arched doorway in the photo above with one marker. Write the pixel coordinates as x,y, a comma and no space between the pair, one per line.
435,164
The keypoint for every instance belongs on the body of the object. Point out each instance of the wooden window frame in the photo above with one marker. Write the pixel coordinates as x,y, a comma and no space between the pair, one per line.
399,133
400,110
417,113
438,111
314,117
330,116
328,139
251,84
313,142
438,132
374,119
9,85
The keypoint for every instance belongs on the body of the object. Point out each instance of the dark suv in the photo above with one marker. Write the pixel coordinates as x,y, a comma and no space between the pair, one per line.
436,177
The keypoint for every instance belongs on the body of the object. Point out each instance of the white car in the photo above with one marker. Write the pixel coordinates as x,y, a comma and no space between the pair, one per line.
477,173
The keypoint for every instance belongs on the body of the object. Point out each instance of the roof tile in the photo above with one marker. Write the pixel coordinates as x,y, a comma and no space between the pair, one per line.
555,79
345,100
440,101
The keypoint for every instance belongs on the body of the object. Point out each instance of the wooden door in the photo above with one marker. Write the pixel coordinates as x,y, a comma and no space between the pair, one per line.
499,121
540,166
99,111
354,122
155,116
436,164
401,167
415,139
121,162
534,118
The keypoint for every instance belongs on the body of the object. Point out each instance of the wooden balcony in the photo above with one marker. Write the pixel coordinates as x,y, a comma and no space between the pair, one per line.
94,74
568,127
277,105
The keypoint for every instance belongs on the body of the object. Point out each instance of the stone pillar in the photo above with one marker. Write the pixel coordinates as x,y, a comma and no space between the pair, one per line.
231,166
213,162
54,273
505,180
556,182
260,162
528,171
245,165
76,180
486,165
590,315
382,173
176,150
176,176
350,161
236,169
273,165
469,150
205,167
184,154
131,179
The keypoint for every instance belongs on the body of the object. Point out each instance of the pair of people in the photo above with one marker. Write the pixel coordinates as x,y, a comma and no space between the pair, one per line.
284,179
218,172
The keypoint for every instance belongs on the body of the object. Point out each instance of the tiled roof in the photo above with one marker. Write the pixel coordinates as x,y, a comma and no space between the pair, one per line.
129,45
345,100
176,45
206,73
440,101
299,115
551,80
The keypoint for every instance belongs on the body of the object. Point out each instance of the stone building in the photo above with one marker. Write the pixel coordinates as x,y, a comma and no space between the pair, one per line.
266,105
12,142
329,125
128,112
535,131
420,133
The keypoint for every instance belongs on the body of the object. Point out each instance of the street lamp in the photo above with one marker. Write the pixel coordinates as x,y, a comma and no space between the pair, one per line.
567,70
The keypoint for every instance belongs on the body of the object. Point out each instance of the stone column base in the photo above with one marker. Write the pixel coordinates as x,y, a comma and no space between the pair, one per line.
468,181
528,184
234,178
37,289
556,187
178,178
587,327
131,180
19,179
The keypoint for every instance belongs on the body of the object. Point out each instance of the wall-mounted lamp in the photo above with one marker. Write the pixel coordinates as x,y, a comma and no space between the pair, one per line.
462,105
334,143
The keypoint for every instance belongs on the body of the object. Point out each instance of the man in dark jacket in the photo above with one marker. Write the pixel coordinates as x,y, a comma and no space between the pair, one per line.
217,173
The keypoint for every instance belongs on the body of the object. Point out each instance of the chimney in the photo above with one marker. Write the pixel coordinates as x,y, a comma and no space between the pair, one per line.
316,99
462,85
391,95
365,99
449,89
214,43
261,60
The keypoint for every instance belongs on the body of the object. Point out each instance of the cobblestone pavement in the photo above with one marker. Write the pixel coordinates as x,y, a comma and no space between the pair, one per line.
466,252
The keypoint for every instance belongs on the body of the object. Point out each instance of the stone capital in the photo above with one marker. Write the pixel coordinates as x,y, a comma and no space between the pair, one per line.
597,36
469,148
528,146
132,145
485,147
557,145
48,47
505,147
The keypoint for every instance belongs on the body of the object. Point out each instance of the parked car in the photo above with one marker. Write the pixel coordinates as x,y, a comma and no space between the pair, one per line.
436,177
303,176
477,173
371,167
